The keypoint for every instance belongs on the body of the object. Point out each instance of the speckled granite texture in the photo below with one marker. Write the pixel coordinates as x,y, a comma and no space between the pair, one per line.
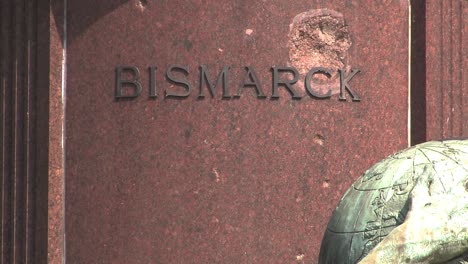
242,180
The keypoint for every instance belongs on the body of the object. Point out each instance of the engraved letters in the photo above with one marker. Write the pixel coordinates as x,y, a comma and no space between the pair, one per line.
178,85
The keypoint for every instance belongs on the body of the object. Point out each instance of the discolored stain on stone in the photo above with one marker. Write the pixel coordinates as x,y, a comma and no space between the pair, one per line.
183,43
326,183
319,139
300,257
212,176
141,4
187,44
188,132
319,38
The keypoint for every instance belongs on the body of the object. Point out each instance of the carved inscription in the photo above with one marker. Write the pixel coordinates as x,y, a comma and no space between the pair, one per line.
128,82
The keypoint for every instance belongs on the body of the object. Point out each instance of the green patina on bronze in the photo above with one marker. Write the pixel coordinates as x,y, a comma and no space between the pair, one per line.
417,182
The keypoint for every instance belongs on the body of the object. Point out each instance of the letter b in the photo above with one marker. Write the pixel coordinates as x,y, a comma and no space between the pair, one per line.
135,82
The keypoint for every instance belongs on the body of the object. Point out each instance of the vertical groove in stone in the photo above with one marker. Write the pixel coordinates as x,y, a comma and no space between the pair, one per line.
6,222
19,95
418,72
30,81
445,85
18,132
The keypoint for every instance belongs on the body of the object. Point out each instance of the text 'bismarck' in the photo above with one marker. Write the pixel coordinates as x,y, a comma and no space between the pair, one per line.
129,85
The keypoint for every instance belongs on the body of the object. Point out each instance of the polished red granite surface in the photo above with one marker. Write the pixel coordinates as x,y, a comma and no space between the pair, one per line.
242,180
446,64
